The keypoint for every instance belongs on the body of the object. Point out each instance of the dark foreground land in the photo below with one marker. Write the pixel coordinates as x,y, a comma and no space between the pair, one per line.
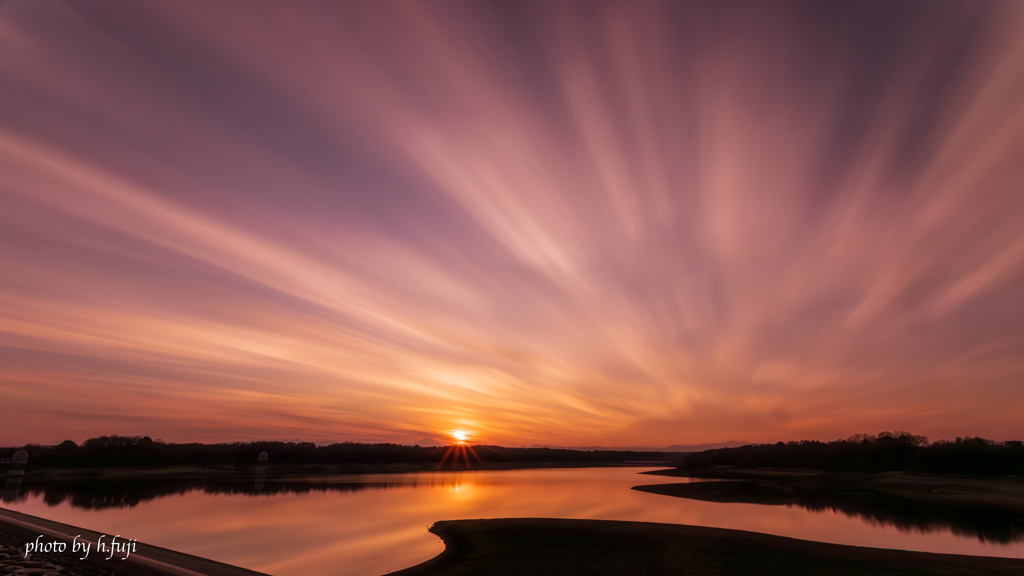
597,547
537,547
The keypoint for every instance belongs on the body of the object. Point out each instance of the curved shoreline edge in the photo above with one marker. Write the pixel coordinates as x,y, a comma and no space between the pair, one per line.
566,547
456,547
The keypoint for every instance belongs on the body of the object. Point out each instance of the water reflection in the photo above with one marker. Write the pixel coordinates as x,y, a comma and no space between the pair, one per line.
987,523
367,525
105,492
12,488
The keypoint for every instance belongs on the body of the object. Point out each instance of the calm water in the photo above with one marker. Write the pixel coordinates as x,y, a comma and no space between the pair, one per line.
367,525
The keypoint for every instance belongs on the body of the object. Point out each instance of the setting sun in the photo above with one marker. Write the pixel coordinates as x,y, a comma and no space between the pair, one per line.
459,435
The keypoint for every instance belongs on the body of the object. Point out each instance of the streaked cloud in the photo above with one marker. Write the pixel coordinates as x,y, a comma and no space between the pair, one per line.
578,223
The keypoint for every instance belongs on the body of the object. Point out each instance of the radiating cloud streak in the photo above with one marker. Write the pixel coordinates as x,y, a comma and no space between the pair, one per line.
579,223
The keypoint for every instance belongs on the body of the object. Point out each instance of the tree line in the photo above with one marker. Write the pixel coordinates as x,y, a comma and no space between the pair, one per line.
144,451
888,451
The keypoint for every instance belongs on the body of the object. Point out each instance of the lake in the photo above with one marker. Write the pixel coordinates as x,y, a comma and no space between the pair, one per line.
370,524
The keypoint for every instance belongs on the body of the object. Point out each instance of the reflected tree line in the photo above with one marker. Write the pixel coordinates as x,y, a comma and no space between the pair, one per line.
987,523
947,484
106,492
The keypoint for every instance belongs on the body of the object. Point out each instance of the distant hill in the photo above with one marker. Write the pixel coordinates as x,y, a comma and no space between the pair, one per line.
427,442
672,448
702,447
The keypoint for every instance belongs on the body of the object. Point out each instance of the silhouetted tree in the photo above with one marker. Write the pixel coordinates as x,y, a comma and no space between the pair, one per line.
866,453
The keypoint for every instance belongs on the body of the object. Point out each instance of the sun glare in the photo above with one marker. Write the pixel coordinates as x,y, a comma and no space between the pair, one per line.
459,435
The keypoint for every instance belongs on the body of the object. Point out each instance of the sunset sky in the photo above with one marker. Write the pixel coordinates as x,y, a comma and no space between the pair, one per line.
574,223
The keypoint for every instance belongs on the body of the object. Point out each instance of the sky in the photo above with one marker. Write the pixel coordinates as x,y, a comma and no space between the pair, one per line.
570,223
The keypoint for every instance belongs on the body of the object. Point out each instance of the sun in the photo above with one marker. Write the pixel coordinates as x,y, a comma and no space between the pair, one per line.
459,435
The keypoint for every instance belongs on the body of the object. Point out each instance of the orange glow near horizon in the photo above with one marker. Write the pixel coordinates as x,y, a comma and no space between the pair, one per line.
578,224
458,456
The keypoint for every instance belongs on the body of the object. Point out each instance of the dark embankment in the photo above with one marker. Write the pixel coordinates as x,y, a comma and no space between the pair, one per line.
596,547
16,529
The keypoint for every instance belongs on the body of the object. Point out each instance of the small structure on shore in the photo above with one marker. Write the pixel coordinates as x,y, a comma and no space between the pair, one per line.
263,458
18,462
